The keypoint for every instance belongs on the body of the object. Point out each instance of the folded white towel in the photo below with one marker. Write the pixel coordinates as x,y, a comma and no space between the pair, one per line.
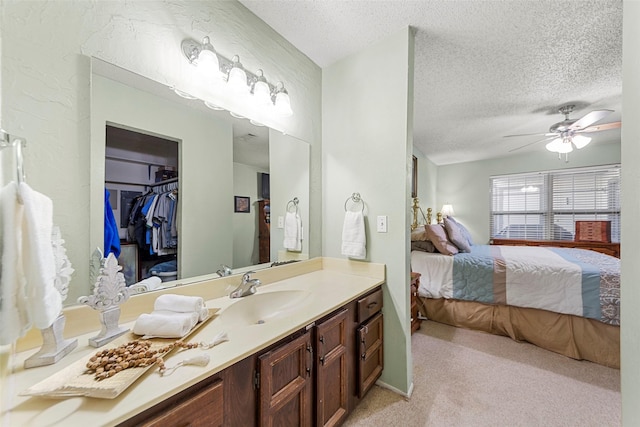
354,241
292,232
179,303
165,324
146,285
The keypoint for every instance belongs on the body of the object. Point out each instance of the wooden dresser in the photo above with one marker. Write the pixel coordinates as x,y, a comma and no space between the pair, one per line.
612,249
415,319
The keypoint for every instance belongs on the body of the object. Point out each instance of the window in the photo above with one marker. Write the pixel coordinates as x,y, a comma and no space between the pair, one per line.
545,205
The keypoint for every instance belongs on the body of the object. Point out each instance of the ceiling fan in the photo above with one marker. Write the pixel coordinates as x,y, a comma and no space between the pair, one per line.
564,135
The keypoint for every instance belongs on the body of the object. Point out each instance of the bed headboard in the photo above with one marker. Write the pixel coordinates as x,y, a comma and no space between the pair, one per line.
415,207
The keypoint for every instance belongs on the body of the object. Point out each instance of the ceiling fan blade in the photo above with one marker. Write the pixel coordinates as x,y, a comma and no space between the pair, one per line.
604,126
535,142
531,134
589,119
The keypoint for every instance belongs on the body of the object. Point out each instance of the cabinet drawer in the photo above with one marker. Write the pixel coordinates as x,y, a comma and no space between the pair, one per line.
203,409
371,363
369,305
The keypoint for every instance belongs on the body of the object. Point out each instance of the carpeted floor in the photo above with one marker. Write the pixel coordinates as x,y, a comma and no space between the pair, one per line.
469,378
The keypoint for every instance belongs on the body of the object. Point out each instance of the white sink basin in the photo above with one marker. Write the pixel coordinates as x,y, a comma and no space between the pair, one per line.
263,307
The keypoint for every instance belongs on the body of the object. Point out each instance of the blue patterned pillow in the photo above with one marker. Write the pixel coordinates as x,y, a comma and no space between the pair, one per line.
463,230
454,232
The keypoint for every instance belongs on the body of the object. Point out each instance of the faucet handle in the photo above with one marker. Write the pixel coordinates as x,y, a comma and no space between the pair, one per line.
247,276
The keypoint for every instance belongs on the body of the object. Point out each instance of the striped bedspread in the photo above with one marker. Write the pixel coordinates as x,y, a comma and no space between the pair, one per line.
563,280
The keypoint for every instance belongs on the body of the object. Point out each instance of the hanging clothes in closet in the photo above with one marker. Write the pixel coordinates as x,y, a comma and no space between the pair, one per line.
152,221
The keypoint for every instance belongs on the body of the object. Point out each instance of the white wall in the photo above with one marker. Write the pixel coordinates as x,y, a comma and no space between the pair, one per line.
366,148
466,185
630,294
45,93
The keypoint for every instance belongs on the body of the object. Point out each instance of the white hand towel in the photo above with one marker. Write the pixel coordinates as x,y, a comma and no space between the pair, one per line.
45,302
292,232
179,303
14,315
354,241
163,325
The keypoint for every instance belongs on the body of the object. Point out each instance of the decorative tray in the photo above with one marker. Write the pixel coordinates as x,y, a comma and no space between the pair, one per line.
76,380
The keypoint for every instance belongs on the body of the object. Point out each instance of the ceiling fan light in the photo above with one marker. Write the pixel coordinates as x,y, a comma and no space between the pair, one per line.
581,141
558,146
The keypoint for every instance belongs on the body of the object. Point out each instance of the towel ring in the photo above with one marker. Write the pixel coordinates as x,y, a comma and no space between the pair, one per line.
355,198
293,203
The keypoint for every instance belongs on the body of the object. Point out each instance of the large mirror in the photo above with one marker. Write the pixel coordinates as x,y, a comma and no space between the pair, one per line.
230,177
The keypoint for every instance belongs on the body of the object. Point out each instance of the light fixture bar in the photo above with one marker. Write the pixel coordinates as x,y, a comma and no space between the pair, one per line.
191,50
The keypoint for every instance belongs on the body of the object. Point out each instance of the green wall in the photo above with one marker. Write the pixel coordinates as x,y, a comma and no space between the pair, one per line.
367,101
466,185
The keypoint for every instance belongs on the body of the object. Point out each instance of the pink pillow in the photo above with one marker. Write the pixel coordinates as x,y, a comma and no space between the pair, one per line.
438,236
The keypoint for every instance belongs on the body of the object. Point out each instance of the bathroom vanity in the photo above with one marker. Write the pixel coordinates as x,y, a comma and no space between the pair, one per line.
302,351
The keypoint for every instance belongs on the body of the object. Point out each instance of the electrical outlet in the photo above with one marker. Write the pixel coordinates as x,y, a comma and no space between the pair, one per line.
280,222
382,223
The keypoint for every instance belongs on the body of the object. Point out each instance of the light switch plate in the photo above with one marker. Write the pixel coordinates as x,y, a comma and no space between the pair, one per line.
382,223
280,222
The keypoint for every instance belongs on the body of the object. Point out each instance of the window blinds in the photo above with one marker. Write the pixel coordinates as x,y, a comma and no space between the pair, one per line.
545,205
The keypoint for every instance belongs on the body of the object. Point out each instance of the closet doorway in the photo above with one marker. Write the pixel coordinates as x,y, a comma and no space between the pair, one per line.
141,180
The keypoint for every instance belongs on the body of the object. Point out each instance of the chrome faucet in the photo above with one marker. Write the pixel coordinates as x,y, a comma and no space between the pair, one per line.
224,271
247,287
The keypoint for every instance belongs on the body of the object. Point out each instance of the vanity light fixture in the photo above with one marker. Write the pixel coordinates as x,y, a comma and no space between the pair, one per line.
239,80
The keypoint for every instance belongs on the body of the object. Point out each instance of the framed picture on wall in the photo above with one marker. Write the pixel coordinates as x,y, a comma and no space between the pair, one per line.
241,204
414,176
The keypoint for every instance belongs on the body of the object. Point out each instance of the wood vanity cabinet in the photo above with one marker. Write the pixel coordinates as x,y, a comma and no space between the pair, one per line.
370,341
314,377
286,387
332,399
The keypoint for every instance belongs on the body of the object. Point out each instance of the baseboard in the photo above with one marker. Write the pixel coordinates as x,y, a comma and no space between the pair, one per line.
395,390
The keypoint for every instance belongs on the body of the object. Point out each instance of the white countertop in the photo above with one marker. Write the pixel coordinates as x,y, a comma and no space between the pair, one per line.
330,284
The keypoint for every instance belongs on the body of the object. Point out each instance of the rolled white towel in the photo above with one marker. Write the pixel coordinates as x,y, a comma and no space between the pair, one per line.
150,283
179,303
204,314
163,325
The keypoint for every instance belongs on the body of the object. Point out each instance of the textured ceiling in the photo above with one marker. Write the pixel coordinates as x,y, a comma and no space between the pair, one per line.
483,69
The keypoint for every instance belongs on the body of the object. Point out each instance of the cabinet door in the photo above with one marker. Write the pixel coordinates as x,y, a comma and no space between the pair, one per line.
204,409
286,384
331,372
370,363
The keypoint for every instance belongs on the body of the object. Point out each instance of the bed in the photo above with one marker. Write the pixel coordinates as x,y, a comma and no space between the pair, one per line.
566,300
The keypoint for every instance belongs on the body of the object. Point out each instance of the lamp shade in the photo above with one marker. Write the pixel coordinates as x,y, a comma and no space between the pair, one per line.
559,145
580,141
237,77
447,210
261,91
283,103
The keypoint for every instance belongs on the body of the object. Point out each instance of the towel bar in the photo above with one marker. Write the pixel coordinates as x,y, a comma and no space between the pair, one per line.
355,198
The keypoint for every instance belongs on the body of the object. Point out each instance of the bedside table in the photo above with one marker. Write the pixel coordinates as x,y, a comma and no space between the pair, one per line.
415,320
